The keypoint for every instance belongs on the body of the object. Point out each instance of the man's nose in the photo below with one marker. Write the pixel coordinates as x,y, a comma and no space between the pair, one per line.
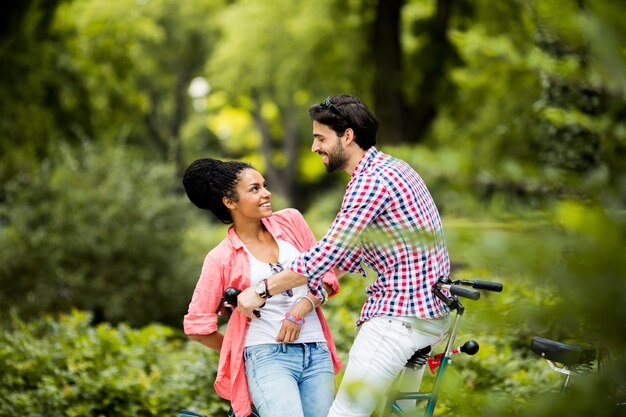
314,147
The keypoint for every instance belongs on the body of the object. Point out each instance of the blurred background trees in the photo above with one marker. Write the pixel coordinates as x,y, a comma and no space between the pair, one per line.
514,113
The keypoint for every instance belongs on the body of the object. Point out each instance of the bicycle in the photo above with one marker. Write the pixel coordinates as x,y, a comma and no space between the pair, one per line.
440,361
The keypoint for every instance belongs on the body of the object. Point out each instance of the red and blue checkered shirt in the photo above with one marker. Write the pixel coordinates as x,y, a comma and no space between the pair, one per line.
388,221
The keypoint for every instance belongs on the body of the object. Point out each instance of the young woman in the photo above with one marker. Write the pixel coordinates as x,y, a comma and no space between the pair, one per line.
284,362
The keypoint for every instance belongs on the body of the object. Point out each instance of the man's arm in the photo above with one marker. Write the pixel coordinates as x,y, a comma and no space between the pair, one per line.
248,299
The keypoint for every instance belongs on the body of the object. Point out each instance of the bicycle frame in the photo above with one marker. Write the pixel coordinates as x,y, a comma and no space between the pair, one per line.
454,304
432,397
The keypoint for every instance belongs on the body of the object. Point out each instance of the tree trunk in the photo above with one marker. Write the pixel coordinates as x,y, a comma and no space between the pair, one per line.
387,57
433,59
292,157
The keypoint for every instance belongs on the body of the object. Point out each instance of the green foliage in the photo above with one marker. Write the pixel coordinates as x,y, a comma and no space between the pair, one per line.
100,71
67,367
270,36
525,159
96,228
563,275
28,50
134,62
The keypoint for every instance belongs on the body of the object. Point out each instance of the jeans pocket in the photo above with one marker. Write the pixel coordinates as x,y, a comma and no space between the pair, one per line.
322,347
262,353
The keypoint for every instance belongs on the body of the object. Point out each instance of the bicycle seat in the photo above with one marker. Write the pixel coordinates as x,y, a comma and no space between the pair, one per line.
566,354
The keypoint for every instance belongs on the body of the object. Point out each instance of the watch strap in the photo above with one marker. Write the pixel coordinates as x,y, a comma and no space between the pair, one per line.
262,290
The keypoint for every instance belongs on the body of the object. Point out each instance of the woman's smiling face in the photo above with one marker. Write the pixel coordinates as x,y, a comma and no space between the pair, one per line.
253,198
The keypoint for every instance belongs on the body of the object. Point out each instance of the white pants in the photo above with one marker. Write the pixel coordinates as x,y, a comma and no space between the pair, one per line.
381,349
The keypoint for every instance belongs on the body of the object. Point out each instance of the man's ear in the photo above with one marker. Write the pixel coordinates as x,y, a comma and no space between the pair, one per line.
229,203
348,136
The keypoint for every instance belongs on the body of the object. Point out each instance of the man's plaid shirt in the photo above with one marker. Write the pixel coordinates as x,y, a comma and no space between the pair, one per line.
389,221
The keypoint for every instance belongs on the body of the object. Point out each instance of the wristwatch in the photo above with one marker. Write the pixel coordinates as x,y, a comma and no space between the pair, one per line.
261,289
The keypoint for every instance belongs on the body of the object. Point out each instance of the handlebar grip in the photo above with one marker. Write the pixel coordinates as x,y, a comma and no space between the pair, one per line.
464,292
487,285
230,294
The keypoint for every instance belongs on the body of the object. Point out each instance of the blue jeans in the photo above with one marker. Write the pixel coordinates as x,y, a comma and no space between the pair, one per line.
290,379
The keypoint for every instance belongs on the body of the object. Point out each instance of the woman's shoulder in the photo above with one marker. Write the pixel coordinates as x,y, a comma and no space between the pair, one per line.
288,217
222,252
288,213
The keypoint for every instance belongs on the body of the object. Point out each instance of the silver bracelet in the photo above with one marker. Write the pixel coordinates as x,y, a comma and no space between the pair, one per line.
309,300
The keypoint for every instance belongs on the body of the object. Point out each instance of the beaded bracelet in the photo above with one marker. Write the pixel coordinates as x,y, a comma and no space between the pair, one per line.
294,319
309,300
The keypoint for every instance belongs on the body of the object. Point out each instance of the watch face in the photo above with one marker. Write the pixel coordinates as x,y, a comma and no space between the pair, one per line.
260,287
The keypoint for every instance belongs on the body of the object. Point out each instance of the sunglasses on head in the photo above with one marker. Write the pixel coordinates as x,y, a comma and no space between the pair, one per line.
327,104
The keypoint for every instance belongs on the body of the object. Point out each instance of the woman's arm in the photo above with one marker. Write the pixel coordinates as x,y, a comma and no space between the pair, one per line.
289,330
212,341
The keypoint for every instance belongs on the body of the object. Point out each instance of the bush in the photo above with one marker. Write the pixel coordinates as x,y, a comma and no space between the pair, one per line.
100,229
64,366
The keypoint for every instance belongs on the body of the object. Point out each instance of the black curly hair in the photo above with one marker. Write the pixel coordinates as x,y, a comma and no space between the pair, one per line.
207,181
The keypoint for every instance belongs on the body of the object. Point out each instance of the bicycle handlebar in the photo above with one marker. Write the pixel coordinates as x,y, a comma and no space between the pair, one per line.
456,289
464,292
482,285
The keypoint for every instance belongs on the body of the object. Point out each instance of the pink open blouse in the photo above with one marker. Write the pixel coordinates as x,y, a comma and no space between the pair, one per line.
228,265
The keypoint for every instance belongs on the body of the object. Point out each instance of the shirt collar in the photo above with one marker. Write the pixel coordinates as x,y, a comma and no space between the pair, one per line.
270,225
367,160
233,238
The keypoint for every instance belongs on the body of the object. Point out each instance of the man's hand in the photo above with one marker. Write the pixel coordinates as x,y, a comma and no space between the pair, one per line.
247,301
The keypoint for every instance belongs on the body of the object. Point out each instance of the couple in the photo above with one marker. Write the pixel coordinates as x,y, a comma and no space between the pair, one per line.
285,361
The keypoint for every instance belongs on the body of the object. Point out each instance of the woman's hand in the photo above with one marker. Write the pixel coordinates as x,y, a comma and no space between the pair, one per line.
289,332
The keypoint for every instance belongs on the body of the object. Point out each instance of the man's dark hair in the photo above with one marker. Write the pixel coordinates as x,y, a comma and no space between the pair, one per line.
344,111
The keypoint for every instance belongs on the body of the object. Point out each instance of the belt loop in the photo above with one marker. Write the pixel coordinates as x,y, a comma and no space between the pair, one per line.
306,359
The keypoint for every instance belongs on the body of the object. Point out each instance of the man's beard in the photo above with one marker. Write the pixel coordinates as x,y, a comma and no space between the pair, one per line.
337,158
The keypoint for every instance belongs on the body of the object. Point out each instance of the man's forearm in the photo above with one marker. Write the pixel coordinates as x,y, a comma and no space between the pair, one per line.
248,299
284,281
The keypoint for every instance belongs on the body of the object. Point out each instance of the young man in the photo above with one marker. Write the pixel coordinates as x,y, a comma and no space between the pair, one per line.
388,221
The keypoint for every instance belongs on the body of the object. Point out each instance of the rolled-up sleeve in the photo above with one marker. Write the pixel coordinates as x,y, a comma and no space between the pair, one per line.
201,317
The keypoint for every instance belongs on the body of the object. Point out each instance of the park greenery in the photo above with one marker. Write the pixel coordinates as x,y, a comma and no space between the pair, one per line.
513,112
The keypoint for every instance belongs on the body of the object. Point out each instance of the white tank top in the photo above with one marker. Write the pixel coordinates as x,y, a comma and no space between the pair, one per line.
265,329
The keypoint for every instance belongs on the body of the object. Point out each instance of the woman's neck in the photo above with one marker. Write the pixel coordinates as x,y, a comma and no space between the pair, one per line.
253,231
258,240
